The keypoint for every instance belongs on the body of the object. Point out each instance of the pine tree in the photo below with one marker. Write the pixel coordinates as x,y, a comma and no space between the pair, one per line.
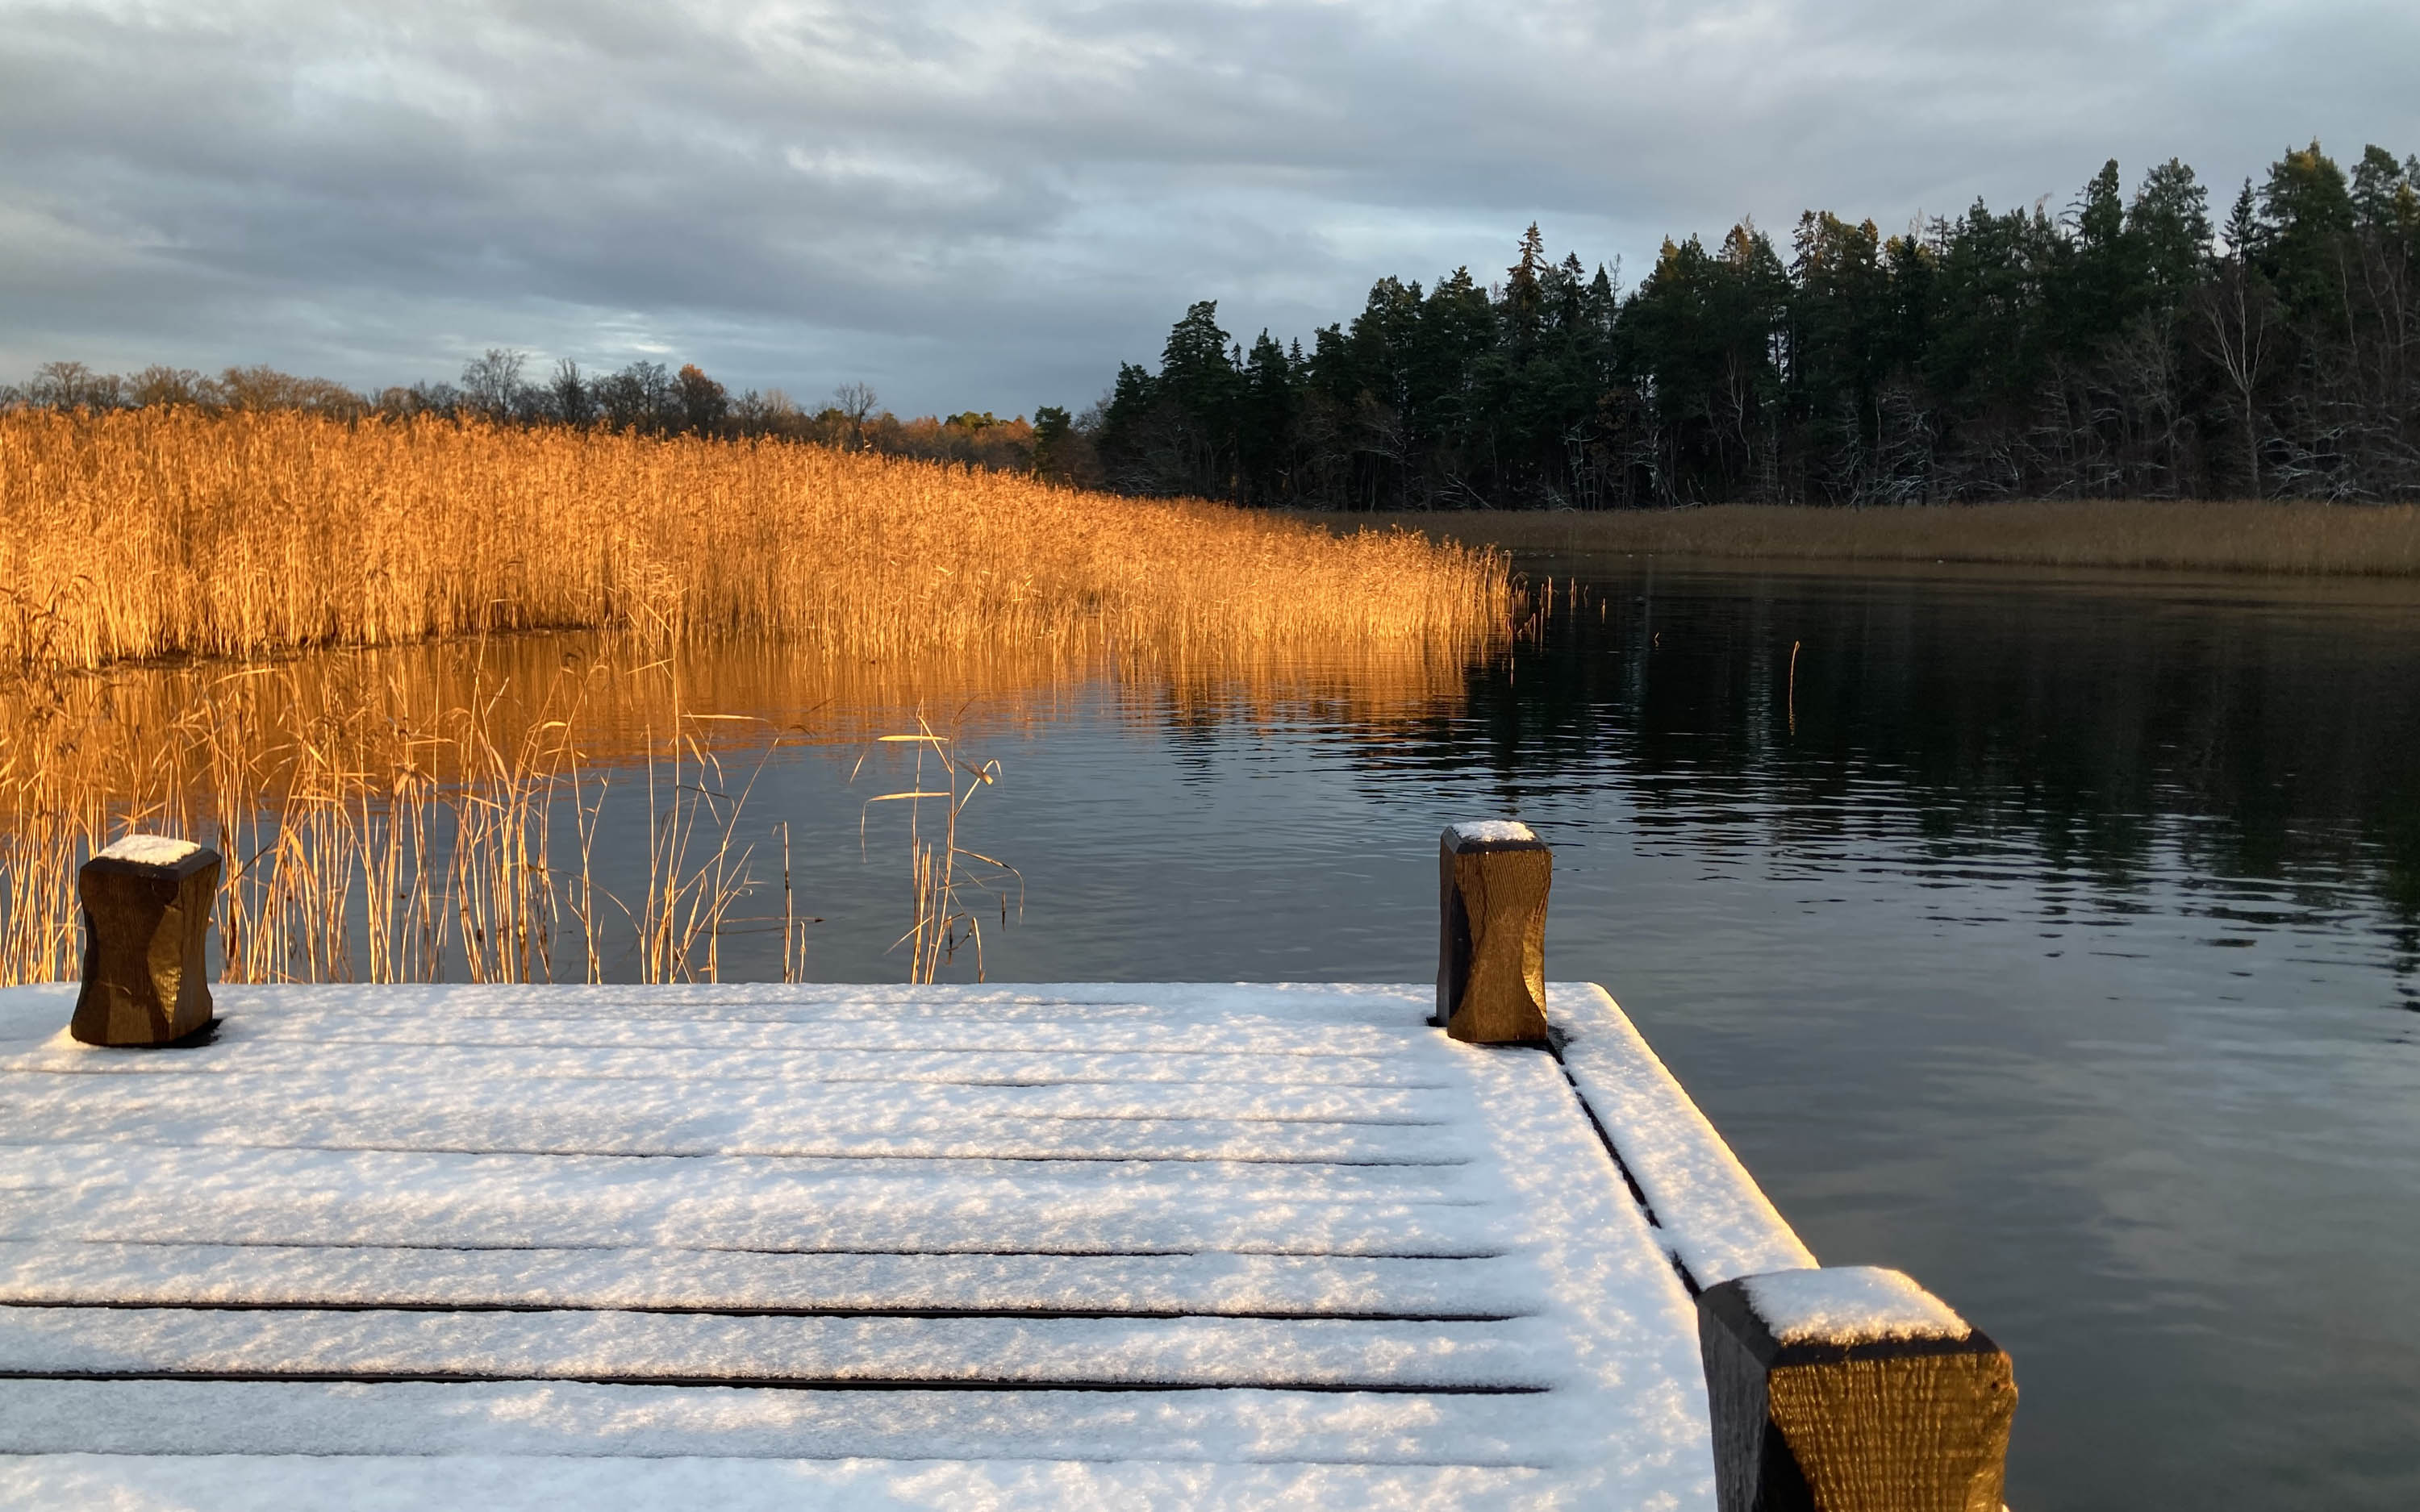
2105,272
2306,210
2170,220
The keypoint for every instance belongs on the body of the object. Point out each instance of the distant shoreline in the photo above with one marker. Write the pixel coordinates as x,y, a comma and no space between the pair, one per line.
2293,539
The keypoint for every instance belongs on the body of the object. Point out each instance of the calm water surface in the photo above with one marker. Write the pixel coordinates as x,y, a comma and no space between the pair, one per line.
2053,940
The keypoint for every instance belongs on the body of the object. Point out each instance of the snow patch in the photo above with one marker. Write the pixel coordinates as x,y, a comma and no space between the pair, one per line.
149,850
411,1480
1850,1304
1265,1188
1485,831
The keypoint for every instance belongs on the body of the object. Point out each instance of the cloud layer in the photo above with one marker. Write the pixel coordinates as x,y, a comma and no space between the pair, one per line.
989,205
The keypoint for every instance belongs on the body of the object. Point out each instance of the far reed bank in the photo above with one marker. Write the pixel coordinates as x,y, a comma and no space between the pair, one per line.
163,533
2381,541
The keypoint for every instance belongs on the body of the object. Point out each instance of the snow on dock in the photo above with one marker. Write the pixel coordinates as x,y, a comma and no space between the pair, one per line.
1169,1244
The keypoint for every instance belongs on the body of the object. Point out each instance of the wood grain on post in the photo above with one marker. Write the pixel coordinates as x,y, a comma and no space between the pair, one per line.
1850,1390
1492,948
146,919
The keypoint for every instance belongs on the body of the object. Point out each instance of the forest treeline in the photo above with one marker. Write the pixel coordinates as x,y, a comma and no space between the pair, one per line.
2124,347
496,386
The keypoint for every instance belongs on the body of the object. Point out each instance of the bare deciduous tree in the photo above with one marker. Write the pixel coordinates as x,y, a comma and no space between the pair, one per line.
857,405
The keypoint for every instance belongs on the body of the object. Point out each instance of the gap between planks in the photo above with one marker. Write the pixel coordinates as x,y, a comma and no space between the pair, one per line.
987,1048
1103,1159
774,1383
1256,1251
1294,1315
784,1078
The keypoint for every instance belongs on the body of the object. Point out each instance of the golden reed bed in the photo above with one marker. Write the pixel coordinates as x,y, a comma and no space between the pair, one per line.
2358,540
394,670
149,533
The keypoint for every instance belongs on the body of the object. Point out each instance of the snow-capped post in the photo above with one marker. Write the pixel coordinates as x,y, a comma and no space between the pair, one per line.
146,919
1493,877
1850,1390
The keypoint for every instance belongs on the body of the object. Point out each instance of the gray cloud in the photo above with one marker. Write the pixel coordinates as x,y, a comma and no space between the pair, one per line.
990,205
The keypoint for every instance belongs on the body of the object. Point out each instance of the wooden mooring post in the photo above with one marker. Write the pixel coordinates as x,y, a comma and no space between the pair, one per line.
146,922
1851,1389
1493,877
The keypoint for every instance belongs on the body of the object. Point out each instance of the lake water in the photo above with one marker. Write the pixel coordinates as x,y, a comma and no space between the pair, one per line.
2055,940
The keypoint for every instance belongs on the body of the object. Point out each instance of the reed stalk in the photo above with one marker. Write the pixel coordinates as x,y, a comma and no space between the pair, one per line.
942,872
408,847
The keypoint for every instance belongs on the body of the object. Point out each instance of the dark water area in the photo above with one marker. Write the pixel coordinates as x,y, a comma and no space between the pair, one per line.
2056,941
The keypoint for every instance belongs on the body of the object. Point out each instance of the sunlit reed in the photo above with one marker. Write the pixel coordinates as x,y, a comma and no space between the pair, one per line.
147,533
361,705
951,880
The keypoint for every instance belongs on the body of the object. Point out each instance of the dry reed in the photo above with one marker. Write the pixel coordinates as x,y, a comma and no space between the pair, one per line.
2295,538
393,809
944,873
397,827
145,533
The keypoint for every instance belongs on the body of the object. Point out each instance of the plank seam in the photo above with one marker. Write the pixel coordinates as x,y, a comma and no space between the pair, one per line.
756,1249
705,1310
442,1377
1637,1195
1104,1159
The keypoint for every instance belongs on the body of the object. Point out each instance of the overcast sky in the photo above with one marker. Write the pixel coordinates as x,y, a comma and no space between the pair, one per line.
988,204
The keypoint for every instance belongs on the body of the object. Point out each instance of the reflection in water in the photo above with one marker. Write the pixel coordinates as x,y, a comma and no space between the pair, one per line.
438,811
2261,738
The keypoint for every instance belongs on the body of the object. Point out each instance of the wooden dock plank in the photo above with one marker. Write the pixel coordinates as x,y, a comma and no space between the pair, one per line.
1715,1221
1158,1354
53,1271
271,1061
761,1107
111,1194
581,1420
1290,1237
728,1485
397,1126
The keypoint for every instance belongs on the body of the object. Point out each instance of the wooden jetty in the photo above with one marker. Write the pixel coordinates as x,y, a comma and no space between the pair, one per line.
1074,1245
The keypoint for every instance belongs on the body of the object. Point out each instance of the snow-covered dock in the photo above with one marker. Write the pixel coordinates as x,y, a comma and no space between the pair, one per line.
864,1246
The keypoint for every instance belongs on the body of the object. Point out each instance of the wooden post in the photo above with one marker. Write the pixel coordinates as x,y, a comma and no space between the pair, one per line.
146,919
1850,1390
1492,937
